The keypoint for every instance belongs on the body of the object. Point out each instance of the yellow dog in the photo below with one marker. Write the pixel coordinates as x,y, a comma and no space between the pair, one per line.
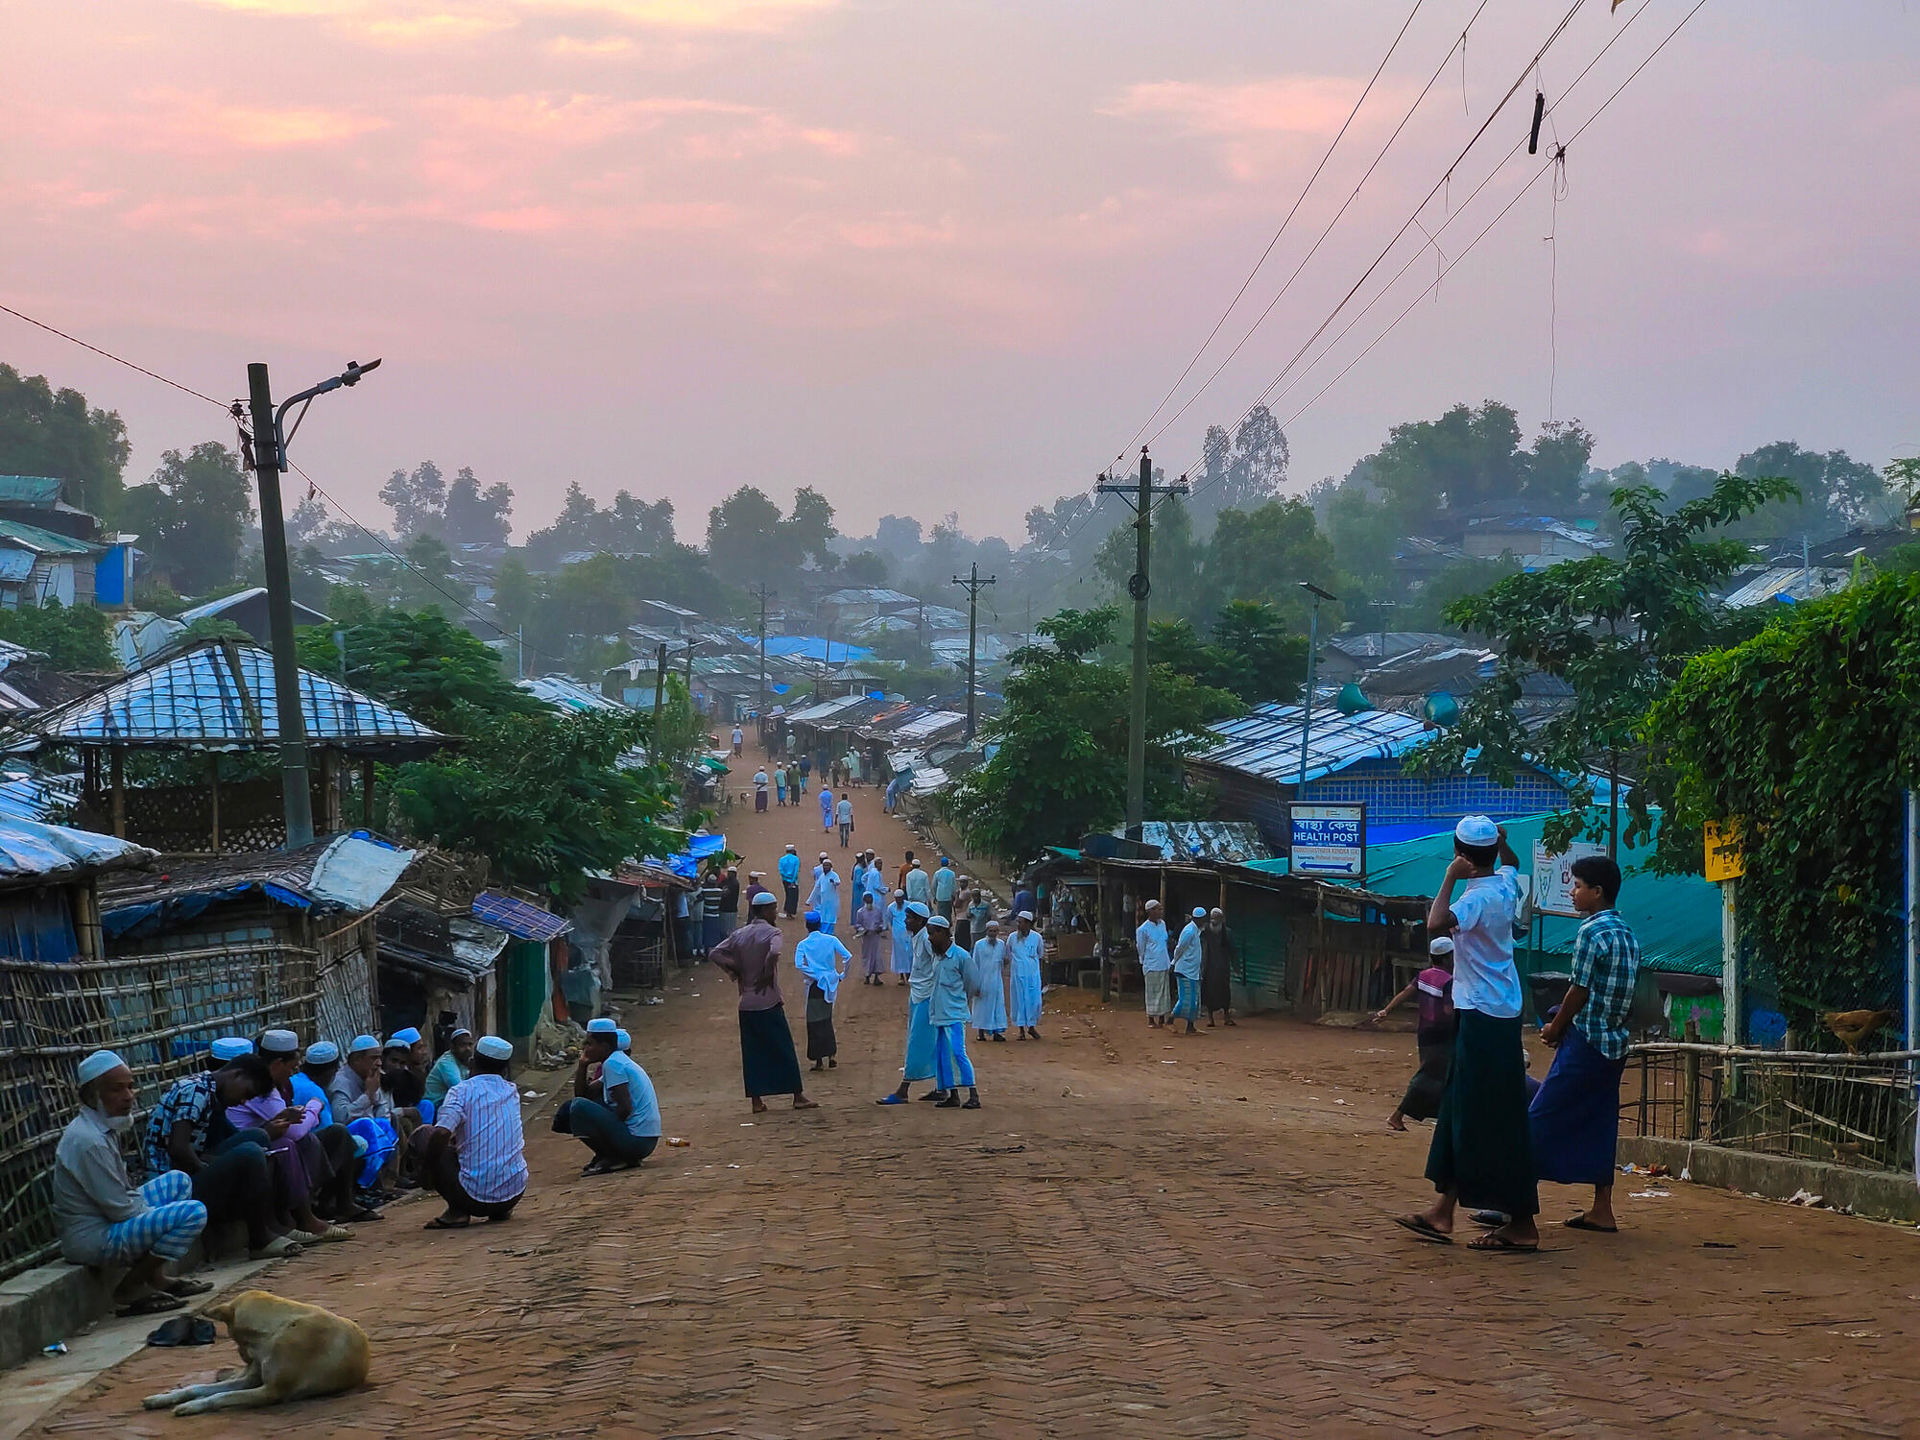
292,1352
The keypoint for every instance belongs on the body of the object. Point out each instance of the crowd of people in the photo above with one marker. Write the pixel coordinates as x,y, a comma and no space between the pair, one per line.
1497,1131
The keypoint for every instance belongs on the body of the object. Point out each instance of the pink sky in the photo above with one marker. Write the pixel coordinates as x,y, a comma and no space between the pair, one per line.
930,256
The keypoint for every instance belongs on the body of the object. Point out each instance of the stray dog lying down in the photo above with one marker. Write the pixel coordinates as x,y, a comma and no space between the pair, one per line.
292,1352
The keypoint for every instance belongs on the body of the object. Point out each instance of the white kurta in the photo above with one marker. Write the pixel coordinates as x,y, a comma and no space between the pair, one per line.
1023,954
990,980
826,899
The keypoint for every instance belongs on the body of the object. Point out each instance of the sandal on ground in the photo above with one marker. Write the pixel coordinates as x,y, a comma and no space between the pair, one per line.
891,1100
952,1102
1423,1229
184,1287
934,1097
1581,1222
972,1103
448,1222
1494,1243
1490,1219
281,1247
154,1302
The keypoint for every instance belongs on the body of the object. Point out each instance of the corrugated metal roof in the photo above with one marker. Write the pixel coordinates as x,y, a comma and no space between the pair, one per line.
302,614
565,694
929,727
518,917
41,490
44,542
1791,583
38,797
1232,840
1266,741
835,711
198,699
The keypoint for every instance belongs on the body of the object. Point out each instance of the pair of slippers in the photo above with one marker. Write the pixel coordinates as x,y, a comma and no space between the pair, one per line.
1492,1242
183,1330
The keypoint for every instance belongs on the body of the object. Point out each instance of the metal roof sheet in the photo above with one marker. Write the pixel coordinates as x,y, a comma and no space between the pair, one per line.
1265,742
927,728
44,542
200,699
564,694
32,853
1791,583
302,614
518,917
1234,840
41,490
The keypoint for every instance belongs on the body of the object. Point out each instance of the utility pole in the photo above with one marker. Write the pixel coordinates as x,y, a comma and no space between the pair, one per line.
659,692
269,442
971,583
1313,660
764,593
295,796
1140,498
521,635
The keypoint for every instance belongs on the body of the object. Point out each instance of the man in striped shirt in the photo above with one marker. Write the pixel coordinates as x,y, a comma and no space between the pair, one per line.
474,1153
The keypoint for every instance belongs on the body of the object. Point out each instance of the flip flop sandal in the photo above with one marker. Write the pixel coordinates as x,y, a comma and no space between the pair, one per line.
158,1303
890,1100
184,1287
973,1103
952,1102
1495,1243
1422,1228
183,1330
1580,1222
441,1222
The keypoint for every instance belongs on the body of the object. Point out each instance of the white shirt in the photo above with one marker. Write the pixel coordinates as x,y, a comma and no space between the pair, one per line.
845,812
620,1068
920,977
1151,941
483,1112
918,885
818,958
1484,977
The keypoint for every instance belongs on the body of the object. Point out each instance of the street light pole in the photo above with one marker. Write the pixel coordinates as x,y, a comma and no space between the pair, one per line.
971,583
1313,659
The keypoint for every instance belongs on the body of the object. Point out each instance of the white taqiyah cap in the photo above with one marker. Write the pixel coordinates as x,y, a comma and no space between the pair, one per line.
279,1042
914,907
458,1031
98,1064
762,897
1026,915
622,1040
1153,904
1199,912
602,1026
939,922
1440,945
493,1047
322,1052
360,1044
1477,830
231,1047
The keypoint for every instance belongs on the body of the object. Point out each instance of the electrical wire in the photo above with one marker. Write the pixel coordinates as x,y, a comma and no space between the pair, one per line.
1339,214
1298,201
109,355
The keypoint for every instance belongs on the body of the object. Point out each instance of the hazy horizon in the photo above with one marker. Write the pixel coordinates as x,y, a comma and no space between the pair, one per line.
932,258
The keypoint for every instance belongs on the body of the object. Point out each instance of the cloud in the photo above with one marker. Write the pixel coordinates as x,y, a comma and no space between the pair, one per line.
413,21
1290,104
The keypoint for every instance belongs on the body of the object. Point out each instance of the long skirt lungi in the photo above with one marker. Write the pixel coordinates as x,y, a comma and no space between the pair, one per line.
1574,1120
1481,1147
1429,1082
767,1060
1159,987
820,1038
919,1063
1187,1007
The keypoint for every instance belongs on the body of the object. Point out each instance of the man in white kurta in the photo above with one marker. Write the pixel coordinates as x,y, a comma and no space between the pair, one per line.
1025,948
826,896
990,984
1150,941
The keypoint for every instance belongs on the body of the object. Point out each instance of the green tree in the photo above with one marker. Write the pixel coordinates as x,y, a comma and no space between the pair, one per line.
744,537
44,431
1617,630
73,639
475,516
418,501
547,799
1557,467
436,671
865,567
192,516
1464,458
1263,554
1833,492
809,529
1807,735
1060,768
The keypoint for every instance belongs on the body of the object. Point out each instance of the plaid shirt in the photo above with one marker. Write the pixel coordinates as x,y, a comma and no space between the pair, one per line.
192,1100
1606,962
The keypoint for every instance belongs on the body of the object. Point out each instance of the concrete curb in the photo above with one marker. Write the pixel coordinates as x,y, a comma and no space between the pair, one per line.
1875,1194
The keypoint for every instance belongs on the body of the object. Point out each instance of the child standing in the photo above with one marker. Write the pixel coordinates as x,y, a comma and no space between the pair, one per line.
1433,1033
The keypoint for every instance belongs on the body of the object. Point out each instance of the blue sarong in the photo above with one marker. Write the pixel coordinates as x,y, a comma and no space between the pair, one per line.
919,1064
1574,1117
1187,1007
382,1140
951,1065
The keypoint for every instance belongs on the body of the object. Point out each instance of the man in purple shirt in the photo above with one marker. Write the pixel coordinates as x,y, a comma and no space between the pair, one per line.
751,957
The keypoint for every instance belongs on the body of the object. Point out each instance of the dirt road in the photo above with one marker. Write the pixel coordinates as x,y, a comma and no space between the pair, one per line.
1137,1236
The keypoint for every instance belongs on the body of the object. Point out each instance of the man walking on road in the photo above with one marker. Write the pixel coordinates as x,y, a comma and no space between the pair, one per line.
1481,1154
1574,1118
739,739
945,884
920,1058
790,880
1150,941
826,808
917,883
948,1012
843,813
751,957
1186,971
826,897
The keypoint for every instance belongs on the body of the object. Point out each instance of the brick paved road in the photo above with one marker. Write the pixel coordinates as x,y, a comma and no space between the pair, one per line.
1135,1238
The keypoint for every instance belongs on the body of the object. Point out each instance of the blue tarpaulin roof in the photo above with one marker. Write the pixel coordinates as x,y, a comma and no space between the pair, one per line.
813,647
200,700
517,917
687,863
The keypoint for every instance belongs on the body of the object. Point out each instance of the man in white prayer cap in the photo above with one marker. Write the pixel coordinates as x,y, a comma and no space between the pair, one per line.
452,1067
1186,970
1156,965
474,1153
1025,948
1482,1153
227,1048
919,1062
101,1216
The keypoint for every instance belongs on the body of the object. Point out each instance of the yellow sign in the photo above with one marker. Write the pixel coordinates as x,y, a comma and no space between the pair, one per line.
1724,860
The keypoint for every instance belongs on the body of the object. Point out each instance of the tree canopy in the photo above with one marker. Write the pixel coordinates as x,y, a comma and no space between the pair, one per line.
44,431
192,516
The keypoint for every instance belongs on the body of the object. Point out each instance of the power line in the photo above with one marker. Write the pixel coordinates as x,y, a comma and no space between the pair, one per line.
1525,190
1347,204
109,355
1299,200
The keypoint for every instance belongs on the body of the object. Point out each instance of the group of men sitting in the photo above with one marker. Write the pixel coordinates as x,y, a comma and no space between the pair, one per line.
288,1141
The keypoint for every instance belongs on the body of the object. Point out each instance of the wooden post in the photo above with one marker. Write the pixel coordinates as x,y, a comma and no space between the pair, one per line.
213,780
118,761
330,791
1691,1082
366,792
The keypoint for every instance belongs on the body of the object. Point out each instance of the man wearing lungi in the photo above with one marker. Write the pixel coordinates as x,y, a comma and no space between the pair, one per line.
1480,1153
751,957
1575,1115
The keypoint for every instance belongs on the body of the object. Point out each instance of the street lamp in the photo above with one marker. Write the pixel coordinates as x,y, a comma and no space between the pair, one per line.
1313,657
270,440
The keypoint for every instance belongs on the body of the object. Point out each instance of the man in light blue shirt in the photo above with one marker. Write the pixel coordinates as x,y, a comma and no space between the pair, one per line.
1156,965
789,868
622,1127
945,882
951,1005
1186,970
917,884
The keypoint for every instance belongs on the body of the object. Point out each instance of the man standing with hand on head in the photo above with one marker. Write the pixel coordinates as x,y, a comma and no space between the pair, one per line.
1481,1155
